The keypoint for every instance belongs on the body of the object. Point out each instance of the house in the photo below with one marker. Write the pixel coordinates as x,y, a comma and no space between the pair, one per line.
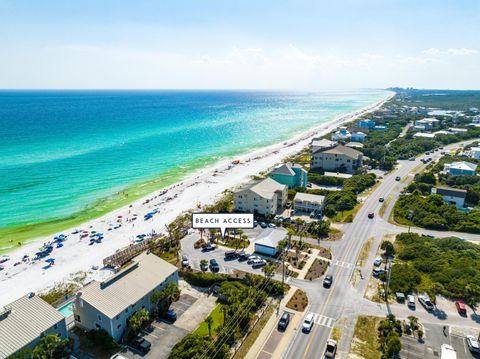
358,136
424,135
475,152
443,132
380,128
460,168
25,321
354,144
264,197
452,195
429,123
458,130
366,124
267,242
308,203
318,144
342,134
290,174
339,159
109,304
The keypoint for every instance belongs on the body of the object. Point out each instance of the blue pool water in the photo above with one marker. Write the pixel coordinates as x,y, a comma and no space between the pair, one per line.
66,310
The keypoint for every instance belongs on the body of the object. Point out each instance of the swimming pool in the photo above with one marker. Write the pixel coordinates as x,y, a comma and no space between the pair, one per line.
66,309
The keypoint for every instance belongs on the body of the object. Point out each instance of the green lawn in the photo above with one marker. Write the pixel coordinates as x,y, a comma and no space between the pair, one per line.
365,342
217,316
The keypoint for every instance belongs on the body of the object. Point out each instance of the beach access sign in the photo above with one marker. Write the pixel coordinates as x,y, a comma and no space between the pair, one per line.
222,221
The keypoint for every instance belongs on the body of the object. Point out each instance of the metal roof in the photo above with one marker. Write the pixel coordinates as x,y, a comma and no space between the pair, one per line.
453,192
128,286
265,188
270,237
313,198
284,169
23,321
341,150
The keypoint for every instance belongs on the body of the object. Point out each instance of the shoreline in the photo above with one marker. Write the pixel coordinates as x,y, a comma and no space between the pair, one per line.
203,186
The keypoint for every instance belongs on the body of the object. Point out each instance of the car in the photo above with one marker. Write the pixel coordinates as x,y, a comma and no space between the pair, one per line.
231,255
371,215
411,301
377,261
117,356
252,258
284,320
271,225
307,323
204,266
398,178
381,199
461,308
425,301
327,281
331,348
472,343
242,257
427,153
141,344
263,225
411,159
259,263
208,247
309,185
214,267
292,212
170,315
378,271
255,223
185,262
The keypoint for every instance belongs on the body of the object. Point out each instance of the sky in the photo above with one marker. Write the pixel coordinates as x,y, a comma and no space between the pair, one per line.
239,44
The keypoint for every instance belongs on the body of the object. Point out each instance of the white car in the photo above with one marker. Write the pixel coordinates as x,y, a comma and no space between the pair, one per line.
253,258
411,301
117,356
308,323
425,301
472,343
272,225
185,262
377,261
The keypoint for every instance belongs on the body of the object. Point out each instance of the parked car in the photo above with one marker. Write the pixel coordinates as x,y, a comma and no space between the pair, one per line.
170,315
141,344
327,281
377,261
185,262
462,309
397,178
204,266
284,320
115,356
331,348
307,323
214,267
472,343
381,199
272,225
255,223
231,255
411,159
242,257
378,271
371,215
263,225
259,263
208,247
425,301
252,258
411,301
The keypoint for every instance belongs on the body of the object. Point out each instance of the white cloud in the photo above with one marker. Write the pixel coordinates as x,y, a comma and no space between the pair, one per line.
452,51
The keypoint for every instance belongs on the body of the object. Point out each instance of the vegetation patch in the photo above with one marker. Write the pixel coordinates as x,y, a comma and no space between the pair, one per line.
59,292
363,256
365,343
317,269
209,327
298,301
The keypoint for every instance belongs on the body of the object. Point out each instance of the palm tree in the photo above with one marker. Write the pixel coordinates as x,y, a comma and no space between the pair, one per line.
244,240
413,322
209,321
225,311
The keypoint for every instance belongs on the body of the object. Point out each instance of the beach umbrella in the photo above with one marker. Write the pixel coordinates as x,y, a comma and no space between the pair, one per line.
50,260
59,245
94,231
119,216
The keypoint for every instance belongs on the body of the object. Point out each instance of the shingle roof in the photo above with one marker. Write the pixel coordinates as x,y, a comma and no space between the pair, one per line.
128,286
284,169
463,166
341,150
23,321
314,198
453,192
265,188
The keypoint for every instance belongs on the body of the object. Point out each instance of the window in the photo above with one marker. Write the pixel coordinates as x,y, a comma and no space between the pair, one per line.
119,326
98,326
99,317
77,318
55,326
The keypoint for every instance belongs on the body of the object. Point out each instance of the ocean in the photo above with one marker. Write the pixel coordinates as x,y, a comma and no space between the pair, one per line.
68,156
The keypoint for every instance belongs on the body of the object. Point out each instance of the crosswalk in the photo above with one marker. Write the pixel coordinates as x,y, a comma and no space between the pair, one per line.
323,320
348,265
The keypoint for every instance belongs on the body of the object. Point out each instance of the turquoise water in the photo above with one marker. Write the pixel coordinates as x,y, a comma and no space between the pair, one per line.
66,310
61,152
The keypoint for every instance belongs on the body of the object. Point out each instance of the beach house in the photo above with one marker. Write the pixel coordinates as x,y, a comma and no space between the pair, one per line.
366,124
452,195
290,174
380,128
339,159
308,203
475,152
264,197
109,304
322,143
430,136
267,241
342,134
358,136
461,168
428,123
25,321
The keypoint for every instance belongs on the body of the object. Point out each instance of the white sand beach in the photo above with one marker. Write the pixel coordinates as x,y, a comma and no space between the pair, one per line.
203,187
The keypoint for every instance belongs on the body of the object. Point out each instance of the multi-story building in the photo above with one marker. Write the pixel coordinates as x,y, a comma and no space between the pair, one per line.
290,174
308,203
452,195
338,159
461,168
264,197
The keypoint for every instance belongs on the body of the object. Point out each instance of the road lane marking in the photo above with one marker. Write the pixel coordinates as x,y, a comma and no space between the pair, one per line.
323,320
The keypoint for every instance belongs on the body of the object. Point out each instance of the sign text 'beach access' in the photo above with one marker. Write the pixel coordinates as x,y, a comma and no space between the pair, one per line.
222,221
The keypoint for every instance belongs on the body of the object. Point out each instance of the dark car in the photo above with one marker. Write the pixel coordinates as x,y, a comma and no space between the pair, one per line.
170,315
327,281
263,225
208,247
381,199
141,344
284,320
214,267
371,215
231,255
397,178
242,256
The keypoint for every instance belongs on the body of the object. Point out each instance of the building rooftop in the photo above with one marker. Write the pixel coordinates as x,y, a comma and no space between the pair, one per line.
313,198
128,286
453,192
425,135
464,166
23,321
270,237
286,169
354,144
341,150
265,188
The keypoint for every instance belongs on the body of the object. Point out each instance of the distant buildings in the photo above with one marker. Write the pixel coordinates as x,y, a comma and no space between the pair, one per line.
428,123
318,144
339,159
25,321
452,195
475,152
341,135
308,203
424,135
290,174
457,130
264,197
366,124
461,168
109,304
357,136
267,242
380,128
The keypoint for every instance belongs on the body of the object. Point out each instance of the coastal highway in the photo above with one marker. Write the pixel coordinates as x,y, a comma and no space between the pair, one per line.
342,300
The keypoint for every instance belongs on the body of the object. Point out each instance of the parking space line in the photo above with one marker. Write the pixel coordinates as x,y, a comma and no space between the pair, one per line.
156,326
